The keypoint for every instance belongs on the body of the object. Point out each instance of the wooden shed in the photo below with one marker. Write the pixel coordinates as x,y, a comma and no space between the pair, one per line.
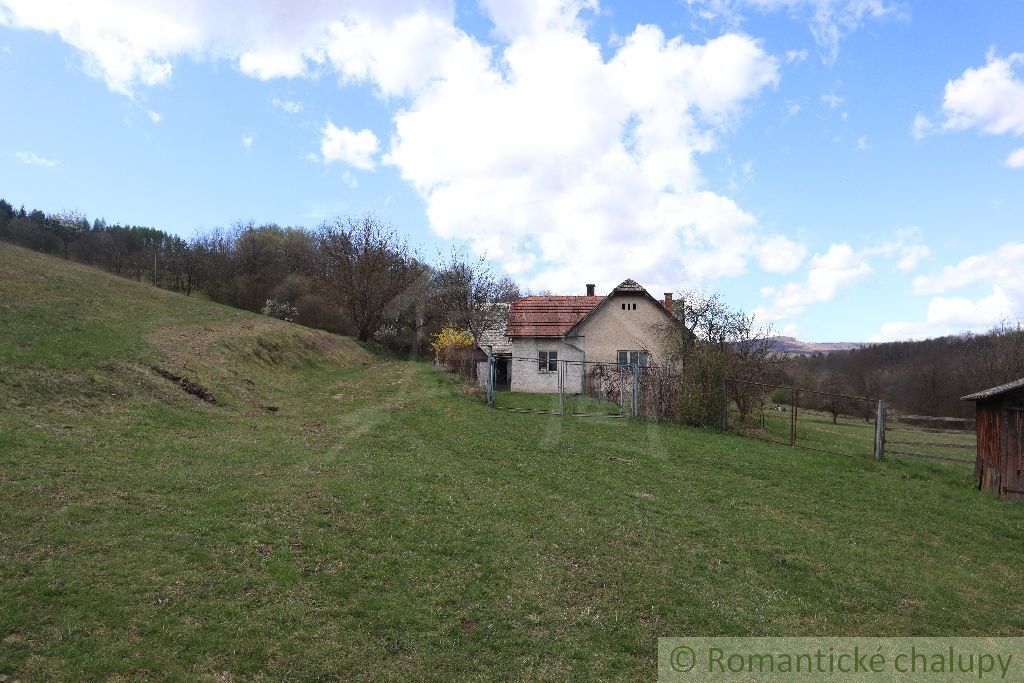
999,466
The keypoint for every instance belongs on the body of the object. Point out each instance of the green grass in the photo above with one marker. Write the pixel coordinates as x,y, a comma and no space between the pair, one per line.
384,524
578,405
854,436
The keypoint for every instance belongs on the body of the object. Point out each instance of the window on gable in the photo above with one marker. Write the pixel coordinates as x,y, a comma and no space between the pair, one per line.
641,358
548,361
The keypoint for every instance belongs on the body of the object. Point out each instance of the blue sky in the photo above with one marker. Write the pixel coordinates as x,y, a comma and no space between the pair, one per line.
848,169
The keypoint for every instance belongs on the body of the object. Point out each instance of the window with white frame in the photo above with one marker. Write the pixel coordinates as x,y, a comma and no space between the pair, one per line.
641,358
548,361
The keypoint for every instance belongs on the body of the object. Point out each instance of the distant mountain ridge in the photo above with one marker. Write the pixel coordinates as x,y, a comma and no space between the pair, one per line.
791,346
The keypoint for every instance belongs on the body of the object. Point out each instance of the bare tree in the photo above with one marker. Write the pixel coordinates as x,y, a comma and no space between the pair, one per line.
67,226
750,361
722,356
365,268
464,293
831,402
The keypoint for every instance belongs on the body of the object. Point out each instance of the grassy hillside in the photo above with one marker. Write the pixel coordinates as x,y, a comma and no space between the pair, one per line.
328,513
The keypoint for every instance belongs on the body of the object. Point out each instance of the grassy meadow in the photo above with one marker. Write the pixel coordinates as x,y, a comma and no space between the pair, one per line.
854,436
328,513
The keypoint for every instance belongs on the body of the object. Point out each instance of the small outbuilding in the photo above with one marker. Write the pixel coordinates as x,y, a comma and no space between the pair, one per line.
999,466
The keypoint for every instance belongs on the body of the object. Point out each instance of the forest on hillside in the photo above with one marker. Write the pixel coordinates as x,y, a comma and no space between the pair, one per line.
351,275
919,377
360,277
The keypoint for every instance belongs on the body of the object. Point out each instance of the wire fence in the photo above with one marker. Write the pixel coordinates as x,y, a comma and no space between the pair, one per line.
570,386
811,419
947,439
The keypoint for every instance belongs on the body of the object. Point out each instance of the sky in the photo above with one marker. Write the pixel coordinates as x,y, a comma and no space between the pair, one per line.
847,170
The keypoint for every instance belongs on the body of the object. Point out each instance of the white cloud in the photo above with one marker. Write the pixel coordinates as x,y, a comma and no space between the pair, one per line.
840,266
828,274
779,254
403,56
349,179
832,100
1003,266
154,116
351,147
290,106
247,140
33,159
566,160
133,44
988,98
530,17
997,273
829,20
905,247
1016,159
792,109
921,127
795,56
571,168
911,256
954,315
863,144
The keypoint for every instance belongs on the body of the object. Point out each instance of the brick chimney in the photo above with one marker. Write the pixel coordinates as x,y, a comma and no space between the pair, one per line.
668,302
590,290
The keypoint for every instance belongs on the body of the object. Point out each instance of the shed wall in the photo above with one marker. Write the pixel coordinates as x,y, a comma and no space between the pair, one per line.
999,466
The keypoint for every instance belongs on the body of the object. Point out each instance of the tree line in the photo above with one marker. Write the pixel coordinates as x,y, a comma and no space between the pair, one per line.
358,276
917,377
351,275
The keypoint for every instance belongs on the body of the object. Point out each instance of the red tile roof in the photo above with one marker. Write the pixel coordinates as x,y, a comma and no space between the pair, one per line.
548,316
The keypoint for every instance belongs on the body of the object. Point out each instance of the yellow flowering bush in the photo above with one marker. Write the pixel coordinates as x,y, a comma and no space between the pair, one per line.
449,341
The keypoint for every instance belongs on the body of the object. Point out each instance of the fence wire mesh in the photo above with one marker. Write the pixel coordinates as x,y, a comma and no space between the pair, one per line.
571,386
811,419
805,418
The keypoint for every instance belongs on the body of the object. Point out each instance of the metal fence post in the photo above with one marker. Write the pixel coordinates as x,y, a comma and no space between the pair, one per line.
795,396
636,387
880,431
561,387
490,376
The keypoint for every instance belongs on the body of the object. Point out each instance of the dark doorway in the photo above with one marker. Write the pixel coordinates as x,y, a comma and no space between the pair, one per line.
502,379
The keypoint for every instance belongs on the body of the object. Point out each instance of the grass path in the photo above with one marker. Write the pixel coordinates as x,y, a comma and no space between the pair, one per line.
383,524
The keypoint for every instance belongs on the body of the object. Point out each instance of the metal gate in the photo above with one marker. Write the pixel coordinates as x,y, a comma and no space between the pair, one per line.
556,386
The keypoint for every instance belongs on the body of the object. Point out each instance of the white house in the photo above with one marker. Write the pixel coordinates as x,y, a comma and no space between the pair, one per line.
569,340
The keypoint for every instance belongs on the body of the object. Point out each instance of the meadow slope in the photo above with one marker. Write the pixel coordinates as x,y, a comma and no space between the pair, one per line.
312,510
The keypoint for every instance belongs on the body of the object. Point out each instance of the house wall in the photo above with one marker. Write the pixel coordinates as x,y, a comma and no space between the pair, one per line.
611,329
526,375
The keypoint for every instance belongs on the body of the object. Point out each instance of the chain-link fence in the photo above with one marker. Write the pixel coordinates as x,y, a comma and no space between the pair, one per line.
548,384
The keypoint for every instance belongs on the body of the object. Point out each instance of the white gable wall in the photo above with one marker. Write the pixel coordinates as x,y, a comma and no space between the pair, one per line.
611,329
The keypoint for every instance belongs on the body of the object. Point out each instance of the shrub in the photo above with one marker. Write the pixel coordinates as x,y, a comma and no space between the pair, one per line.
282,310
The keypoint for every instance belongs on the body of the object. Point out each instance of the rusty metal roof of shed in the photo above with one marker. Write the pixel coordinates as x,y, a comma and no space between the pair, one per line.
1017,385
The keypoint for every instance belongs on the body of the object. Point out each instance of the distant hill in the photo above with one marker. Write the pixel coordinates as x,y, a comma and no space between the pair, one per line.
792,346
